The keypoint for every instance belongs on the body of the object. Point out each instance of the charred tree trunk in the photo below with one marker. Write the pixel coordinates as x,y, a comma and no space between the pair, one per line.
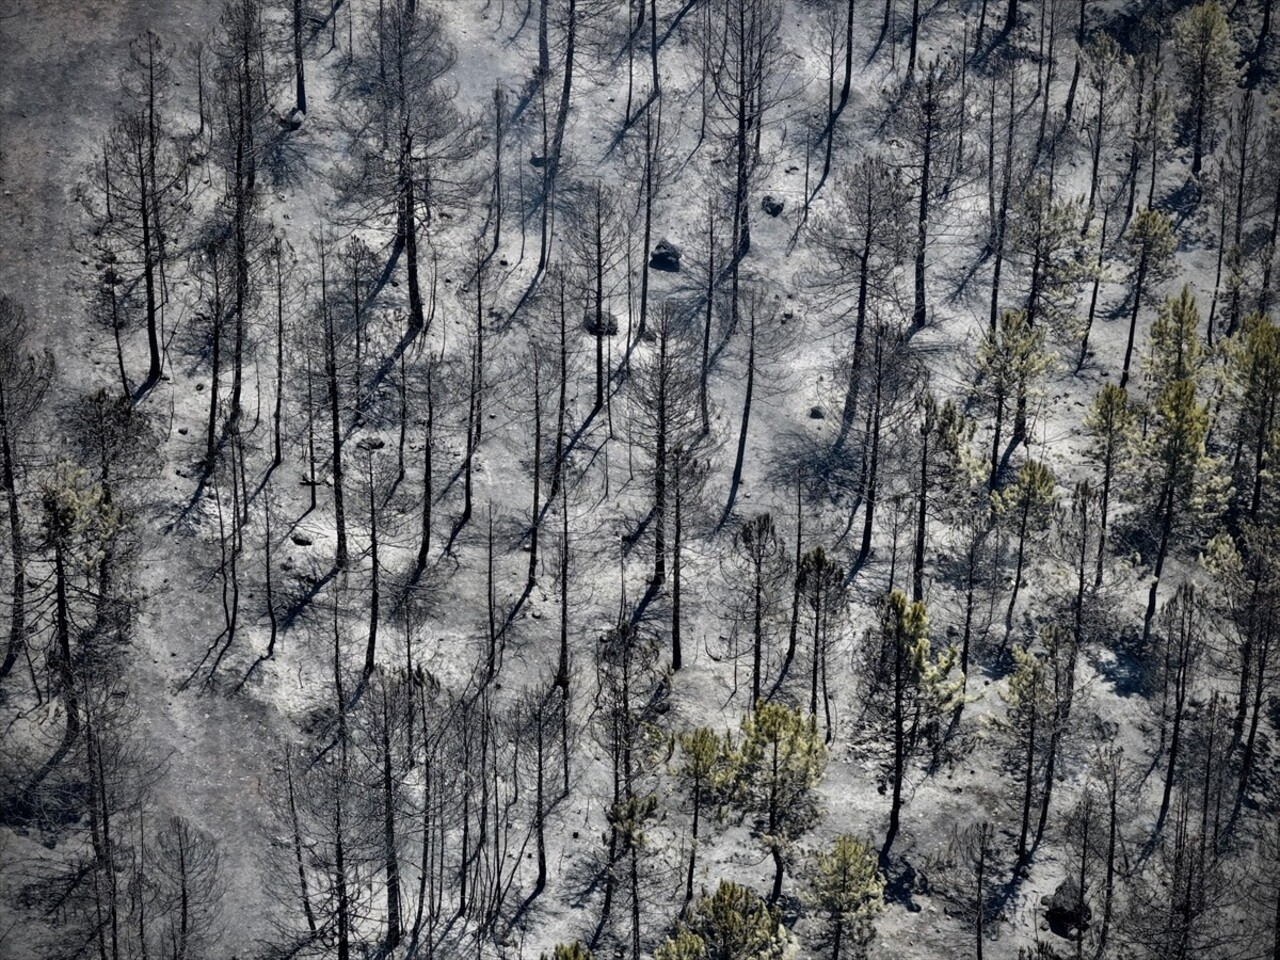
299,72
17,542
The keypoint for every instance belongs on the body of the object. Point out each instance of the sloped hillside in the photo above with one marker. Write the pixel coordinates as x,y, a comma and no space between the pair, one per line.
702,480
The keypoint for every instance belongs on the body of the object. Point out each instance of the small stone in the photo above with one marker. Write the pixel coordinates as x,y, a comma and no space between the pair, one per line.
817,413
302,540
771,205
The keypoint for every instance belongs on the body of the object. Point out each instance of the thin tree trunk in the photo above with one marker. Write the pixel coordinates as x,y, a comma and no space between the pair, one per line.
17,544
537,472
371,647
677,655
335,417
1028,775
740,458
918,315
300,80
795,590
277,445
869,499
922,511
395,928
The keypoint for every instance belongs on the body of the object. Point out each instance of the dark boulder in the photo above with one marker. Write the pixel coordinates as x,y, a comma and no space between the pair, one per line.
608,326
666,256
1068,912
771,205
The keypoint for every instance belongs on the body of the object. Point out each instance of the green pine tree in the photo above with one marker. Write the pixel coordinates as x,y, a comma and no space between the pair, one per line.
1251,377
1011,361
1183,489
684,944
1111,426
1027,506
1206,56
848,887
734,923
706,770
1149,245
780,761
1044,238
1176,350
576,950
921,687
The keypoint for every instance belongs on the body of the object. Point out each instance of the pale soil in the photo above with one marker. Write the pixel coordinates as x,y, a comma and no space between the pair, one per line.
58,63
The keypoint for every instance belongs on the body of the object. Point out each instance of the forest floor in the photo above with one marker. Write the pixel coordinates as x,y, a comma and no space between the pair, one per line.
58,92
